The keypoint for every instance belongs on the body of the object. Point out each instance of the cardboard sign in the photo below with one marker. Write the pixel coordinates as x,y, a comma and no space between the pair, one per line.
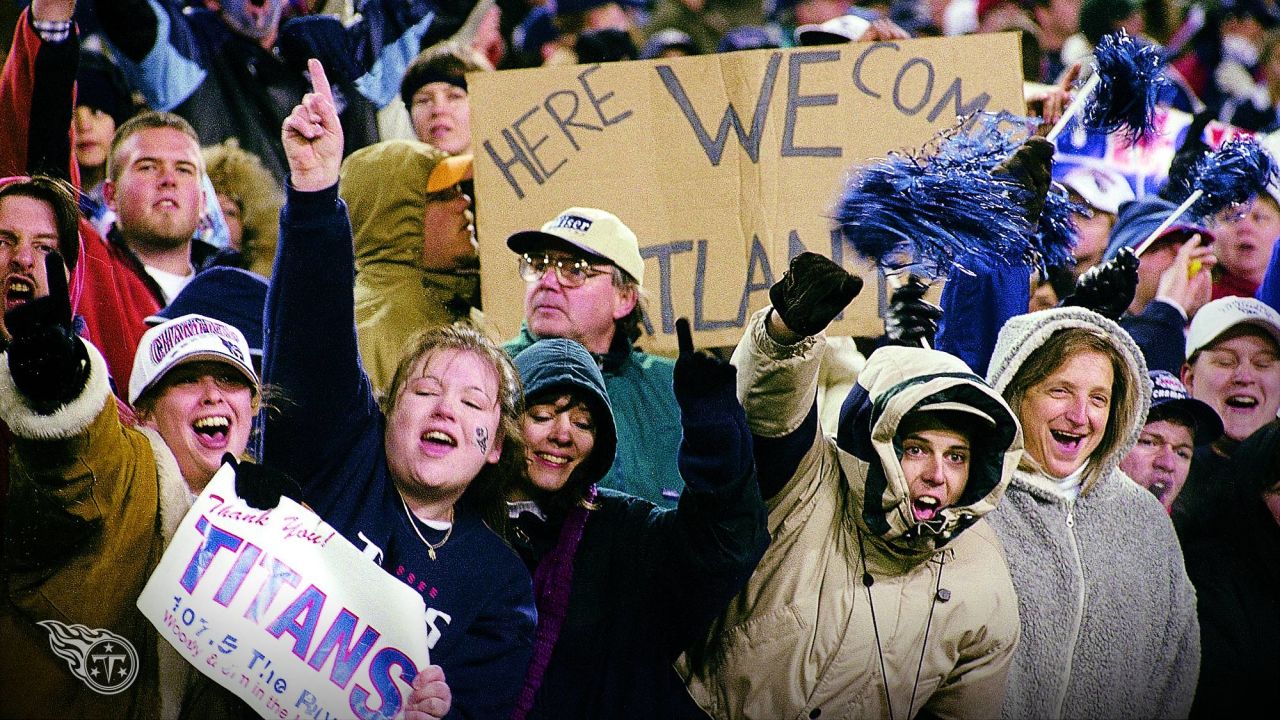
279,608
725,166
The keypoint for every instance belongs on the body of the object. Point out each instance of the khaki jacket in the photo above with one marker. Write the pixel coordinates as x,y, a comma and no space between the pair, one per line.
92,506
800,641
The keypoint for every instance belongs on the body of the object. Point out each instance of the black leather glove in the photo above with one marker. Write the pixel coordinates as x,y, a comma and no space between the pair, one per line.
1031,166
1177,186
49,364
910,320
700,377
262,487
1107,289
812,292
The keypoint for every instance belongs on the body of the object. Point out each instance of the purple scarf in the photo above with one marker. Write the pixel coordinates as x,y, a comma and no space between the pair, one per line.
552,580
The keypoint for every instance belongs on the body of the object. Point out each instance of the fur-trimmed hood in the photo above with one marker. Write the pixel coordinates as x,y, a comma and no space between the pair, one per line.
1024,334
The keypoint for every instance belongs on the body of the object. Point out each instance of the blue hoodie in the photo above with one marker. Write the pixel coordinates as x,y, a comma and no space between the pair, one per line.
646,582
328,435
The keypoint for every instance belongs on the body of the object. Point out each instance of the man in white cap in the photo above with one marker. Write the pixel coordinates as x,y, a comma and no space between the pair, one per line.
1233,365
583,277
93,503
1101,191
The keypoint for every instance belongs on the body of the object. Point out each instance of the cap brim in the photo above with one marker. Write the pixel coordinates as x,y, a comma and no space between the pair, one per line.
449,172
953,406
245,370
808,35
1186,231
525,239
1208,426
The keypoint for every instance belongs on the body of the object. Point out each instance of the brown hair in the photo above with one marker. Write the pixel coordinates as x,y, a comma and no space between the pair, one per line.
487,491
1054,353
61,198
148,120
449,62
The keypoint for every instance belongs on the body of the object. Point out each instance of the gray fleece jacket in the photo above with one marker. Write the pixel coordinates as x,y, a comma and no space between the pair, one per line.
1108,614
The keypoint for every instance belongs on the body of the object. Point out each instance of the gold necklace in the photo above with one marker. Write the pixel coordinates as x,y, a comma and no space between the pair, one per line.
431,549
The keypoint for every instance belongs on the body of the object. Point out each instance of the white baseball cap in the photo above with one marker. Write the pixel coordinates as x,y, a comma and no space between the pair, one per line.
1102,188
842,29
187,339
595,231
1225,313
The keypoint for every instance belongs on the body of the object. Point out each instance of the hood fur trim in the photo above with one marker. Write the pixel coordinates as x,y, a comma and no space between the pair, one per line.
65,422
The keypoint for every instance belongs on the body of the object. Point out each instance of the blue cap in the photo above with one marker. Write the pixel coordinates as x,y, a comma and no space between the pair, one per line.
234,296
1139,218
749,37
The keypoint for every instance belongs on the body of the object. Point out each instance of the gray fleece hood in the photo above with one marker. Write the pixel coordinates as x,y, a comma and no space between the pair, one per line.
1024,334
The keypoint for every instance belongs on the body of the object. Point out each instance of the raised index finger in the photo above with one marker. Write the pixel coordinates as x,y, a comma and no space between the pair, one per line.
56,280
319,81
684,338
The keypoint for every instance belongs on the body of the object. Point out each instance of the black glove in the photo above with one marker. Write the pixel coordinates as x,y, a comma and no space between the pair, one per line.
812,292
49,364
1177,186
1107,289
700,377
1031,166
910,320
261,487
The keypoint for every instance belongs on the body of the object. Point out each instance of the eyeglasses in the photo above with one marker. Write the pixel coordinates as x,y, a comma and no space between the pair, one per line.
571,272
447,195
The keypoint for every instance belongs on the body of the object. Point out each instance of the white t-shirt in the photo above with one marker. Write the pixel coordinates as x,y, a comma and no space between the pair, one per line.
170,284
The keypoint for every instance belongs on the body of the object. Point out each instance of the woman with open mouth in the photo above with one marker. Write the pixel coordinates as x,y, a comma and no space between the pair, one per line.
623,586
1108,615
411,478
93,501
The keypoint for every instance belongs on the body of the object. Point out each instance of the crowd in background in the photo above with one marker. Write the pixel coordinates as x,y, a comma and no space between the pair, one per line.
192,195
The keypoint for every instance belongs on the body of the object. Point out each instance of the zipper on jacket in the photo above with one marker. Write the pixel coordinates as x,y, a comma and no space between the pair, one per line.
1078,619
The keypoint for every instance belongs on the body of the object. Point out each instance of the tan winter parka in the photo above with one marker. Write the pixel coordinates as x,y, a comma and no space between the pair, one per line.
803,640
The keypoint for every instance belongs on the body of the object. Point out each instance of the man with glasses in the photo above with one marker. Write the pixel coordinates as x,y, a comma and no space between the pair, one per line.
583,280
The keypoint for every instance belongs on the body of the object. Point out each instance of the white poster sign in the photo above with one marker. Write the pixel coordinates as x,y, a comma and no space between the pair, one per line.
282,610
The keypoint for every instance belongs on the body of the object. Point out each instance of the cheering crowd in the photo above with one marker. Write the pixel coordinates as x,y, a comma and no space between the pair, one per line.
241,233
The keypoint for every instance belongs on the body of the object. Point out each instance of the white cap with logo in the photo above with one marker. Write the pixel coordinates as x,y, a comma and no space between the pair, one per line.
1225,313
597,232
1102,188
187,339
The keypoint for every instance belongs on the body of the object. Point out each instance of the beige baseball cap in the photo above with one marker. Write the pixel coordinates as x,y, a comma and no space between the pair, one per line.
187,339
597,232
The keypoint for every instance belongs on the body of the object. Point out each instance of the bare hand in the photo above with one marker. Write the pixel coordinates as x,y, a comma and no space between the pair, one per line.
1191,290
47,10
312,136
431,698
883,30
1050,102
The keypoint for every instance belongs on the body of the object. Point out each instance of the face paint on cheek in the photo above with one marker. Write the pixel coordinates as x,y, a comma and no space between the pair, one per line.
482,439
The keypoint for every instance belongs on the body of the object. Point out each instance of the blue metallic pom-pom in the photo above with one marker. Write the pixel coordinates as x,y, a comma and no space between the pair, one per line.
1130,78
